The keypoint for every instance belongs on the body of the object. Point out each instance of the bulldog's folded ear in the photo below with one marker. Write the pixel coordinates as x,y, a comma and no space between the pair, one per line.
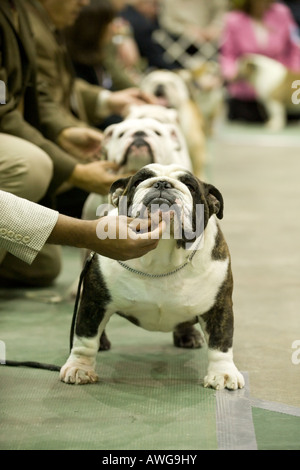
108,132
174,135
215,200
117,189
107,135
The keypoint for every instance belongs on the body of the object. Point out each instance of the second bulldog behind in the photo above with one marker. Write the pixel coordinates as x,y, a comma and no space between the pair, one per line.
136,142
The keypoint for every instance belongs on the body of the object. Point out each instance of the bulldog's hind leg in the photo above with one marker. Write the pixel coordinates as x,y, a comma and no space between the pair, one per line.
91,319
187,336
105,344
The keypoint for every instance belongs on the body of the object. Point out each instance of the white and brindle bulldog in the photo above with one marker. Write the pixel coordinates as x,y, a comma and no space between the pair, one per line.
273,84
187,279
136,142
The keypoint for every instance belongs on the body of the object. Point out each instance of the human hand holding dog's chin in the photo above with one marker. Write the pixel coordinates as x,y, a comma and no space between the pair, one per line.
120,101
95,177
117,237
123,238
81,142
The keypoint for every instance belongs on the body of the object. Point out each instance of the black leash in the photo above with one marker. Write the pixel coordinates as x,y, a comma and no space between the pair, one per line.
34,365
82,276
52,367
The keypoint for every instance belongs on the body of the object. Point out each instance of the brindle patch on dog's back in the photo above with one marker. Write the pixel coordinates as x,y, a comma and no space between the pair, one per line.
220,251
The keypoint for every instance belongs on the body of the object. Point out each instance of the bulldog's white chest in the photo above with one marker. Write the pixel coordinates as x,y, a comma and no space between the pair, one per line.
161,303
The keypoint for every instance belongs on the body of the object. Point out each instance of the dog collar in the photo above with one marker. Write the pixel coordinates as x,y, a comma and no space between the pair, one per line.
170,273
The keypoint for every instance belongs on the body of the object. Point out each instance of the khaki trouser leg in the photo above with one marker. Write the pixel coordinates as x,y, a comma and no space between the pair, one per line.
41,273
26,171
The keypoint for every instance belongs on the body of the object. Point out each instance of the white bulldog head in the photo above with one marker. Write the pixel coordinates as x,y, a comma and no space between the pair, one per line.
167,85
168,188
134,143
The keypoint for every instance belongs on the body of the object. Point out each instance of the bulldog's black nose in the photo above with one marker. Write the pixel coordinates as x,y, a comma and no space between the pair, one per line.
162,185
139,134
159,91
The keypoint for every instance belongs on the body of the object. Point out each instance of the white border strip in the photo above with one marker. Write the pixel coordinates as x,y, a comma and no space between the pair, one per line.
277,407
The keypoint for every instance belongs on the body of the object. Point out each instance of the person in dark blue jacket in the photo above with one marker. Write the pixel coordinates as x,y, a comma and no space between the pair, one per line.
142,15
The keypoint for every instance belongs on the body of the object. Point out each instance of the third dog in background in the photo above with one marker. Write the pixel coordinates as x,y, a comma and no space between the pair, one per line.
171,87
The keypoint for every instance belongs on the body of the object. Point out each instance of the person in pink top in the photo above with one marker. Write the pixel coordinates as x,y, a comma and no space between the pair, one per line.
261,27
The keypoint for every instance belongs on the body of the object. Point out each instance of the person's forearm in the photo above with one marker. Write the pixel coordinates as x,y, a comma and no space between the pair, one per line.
73,232
94,235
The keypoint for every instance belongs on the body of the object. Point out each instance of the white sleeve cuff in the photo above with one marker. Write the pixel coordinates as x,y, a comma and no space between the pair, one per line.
24,227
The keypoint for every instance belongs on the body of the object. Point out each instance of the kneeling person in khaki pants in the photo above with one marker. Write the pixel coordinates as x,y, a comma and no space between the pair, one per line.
26,171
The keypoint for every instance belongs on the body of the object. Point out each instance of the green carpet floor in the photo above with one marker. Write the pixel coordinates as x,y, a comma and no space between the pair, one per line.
150,395
276,430
140,403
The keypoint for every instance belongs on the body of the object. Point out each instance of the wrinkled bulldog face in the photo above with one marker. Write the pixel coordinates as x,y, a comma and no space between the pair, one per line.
169,188
166,85
135,143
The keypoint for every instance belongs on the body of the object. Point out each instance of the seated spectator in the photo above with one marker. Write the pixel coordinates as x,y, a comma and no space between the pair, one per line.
77,103
256,27
92,48
199,21
142,15
78,100
125,44
22,117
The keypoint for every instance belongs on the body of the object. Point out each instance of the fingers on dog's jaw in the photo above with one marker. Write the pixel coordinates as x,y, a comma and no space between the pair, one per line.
155,234
147,226
142,226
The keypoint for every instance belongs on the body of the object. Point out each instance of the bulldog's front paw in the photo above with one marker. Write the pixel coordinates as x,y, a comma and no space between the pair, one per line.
78,374
222,372
218,379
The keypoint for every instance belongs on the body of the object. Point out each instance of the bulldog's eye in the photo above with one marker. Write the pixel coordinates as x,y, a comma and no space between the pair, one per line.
137,182
121,135
157,133
190,187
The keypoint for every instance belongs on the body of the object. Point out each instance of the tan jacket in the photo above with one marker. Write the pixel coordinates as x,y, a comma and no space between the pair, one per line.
20,115
178,16
73,96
